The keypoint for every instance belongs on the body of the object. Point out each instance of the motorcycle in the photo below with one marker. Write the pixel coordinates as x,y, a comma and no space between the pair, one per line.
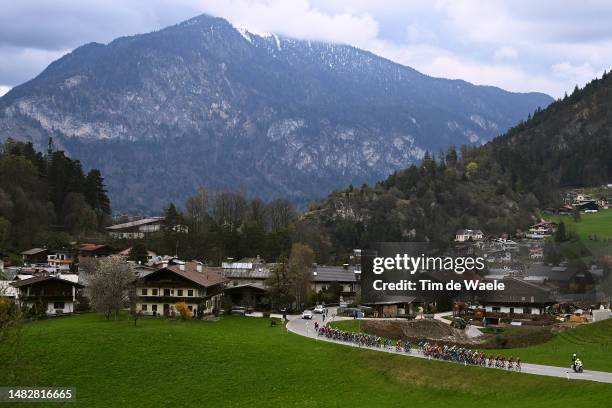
577,366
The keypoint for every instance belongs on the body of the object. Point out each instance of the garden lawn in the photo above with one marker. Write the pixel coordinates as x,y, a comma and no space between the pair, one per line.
243,362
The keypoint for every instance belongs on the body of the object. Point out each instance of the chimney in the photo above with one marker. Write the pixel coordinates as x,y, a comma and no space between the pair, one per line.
199,267
164,264
345,266
182,267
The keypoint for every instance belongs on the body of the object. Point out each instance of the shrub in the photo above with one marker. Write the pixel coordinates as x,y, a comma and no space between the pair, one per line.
182,308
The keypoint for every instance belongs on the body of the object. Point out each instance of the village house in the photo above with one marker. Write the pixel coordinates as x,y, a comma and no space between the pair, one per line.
582,198
61,260
246,280
519,297
137,229
54,293
542,230
559,276
158,292
89,250
588,207
536,253
393,306
465,235
566,209
347,277
498,256
35,256
52,260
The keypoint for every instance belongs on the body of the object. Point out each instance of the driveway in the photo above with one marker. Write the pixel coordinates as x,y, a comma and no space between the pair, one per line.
305,328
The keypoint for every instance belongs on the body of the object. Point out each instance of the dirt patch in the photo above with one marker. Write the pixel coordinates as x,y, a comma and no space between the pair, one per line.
413,329
433,330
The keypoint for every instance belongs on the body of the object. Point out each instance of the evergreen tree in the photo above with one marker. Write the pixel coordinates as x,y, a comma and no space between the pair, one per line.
95,193
560,235
139,253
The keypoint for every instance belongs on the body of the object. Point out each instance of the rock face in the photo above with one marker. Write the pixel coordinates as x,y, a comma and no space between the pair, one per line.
204,103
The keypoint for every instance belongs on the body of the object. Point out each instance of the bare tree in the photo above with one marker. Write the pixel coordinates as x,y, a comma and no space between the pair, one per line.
108,283
280,283
229,208
279,213
301,260
197,209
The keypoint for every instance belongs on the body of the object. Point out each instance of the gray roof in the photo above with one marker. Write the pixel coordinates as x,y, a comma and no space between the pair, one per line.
42,278
518,291
391,300
257,272
334,274
136,223
246,285
34,251
553,273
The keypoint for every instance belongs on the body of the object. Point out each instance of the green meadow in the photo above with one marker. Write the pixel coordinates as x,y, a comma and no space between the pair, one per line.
244,362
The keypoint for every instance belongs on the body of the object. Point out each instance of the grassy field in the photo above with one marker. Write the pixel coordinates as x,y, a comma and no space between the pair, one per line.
592,342
599,224
243,362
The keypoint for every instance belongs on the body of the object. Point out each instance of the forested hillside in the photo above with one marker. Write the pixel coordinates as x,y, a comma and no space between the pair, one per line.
47,199
498,187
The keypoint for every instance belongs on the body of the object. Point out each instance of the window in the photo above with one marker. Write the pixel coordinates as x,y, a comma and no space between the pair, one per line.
144,292
143,308
189,292
496,309
179,292
154,292
154,308
166,292
58,305
527,310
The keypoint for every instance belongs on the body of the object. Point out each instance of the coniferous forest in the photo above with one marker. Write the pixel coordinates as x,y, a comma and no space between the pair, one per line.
47,199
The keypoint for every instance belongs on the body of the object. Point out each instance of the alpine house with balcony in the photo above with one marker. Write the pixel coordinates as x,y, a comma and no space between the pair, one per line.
201,289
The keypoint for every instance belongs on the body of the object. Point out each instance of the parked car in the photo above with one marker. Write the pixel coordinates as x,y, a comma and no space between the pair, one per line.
238,310
319,309
307,314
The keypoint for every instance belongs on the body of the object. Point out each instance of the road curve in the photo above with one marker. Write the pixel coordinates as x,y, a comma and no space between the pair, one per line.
306,328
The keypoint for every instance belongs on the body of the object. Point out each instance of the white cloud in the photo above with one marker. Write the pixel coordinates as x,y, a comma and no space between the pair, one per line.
295,19
577,74
505,53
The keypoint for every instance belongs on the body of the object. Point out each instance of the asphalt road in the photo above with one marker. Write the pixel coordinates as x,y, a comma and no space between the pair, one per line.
305,328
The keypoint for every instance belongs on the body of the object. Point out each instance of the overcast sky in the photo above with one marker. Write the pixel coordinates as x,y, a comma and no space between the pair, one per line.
547,46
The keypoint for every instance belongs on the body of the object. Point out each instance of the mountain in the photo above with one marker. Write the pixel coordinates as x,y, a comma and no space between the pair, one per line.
204,103
498,187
